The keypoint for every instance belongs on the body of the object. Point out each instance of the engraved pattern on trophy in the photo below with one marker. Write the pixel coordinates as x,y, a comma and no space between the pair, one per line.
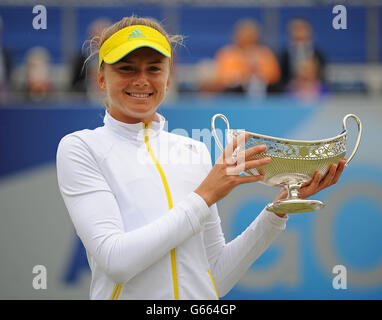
293,162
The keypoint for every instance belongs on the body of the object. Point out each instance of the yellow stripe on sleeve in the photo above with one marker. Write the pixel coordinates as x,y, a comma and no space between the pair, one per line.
115,290
119,291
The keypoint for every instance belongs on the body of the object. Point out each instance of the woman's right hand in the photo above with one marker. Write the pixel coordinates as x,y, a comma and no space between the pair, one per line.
224,176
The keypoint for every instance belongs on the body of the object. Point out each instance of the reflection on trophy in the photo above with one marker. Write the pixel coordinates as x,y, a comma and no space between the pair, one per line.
293,162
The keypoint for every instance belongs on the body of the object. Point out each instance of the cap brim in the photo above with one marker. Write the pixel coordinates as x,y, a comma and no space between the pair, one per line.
124,49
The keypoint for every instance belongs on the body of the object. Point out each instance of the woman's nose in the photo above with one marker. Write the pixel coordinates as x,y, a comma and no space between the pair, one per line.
141,79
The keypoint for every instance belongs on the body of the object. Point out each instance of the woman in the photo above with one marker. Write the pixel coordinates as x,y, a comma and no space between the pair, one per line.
150,227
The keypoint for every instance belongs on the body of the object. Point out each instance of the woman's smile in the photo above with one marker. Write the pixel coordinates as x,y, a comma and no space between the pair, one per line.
138,95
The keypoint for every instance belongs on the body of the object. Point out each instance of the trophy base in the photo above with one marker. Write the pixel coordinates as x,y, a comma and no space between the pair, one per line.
295,206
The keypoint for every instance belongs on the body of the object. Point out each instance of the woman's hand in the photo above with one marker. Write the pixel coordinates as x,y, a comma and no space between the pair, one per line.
316,184
224,176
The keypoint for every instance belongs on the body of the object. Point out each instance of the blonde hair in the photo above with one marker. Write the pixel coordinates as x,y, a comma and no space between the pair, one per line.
95,43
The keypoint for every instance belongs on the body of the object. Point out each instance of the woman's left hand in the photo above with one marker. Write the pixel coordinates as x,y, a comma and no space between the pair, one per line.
316,184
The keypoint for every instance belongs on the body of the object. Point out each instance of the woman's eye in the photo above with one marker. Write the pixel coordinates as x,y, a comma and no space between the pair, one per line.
154,68
126,68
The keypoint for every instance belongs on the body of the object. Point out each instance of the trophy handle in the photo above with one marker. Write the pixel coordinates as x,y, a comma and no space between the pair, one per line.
213,128
359,134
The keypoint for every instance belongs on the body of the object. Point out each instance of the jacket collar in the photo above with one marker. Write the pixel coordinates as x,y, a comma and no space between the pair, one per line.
134,131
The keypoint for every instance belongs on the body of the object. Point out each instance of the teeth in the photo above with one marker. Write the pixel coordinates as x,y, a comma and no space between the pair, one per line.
139,95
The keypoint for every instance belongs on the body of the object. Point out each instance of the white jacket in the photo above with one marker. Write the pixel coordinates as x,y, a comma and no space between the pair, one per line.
129,192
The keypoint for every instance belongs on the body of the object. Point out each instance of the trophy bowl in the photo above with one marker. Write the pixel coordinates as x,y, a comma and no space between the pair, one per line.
293,162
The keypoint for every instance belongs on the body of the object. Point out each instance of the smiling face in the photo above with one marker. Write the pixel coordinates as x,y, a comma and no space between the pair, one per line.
136,85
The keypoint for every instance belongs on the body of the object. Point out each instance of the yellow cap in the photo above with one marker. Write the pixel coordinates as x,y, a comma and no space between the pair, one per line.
130,38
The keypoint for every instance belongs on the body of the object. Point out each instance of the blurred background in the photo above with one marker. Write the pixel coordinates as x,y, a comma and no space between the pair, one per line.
291,69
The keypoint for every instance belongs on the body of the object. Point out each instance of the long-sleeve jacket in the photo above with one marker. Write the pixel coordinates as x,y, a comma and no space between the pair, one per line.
129,190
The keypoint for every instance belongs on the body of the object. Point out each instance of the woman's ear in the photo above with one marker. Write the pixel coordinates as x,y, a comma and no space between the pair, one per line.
172,70
168,82
101,80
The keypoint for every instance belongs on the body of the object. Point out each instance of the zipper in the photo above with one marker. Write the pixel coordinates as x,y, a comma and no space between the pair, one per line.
170,206
213,281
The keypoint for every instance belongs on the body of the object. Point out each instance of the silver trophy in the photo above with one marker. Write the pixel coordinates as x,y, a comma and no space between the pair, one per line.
293,162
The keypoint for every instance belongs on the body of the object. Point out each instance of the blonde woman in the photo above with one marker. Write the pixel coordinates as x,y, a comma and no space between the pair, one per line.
150,225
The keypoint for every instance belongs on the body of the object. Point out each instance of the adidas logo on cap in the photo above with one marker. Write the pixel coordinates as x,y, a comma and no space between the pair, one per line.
136,34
